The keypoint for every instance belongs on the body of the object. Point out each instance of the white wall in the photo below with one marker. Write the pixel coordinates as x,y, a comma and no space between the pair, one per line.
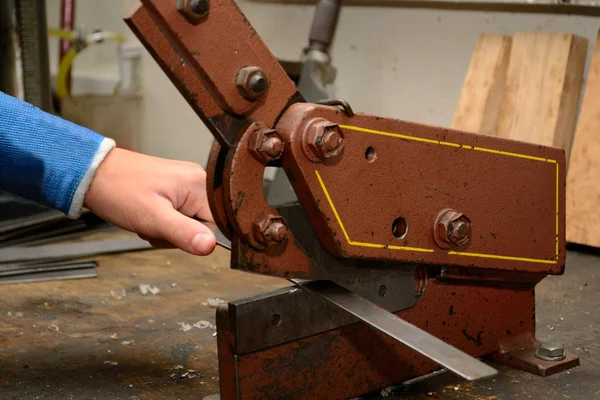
397,62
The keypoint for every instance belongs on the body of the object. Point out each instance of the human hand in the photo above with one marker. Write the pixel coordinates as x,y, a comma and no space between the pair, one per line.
154,198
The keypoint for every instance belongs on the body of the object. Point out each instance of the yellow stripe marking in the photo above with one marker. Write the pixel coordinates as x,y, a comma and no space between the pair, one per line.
507,153
557,185
457,145
464,146
362,244
533,260
337,216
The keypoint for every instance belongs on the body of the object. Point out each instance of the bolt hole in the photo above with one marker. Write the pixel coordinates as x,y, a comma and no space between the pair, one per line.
370,154
275,320
399,228
382,291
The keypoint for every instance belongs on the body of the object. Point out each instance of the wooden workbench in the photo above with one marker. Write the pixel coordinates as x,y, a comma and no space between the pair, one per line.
77,340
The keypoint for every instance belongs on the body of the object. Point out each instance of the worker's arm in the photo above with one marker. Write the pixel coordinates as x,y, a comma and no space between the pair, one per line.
65,166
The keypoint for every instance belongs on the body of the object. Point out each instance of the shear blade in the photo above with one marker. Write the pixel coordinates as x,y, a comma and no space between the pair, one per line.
417,339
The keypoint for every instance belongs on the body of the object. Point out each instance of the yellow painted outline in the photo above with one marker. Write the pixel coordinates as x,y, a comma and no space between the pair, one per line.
443,143
362,244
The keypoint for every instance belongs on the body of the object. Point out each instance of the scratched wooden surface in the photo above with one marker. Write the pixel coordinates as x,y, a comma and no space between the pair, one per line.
76,340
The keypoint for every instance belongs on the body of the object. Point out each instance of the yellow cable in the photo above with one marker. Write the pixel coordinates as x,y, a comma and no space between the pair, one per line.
67,61
61,79
62,34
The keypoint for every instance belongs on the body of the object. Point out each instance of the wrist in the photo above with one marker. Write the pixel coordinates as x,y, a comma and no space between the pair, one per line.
79,198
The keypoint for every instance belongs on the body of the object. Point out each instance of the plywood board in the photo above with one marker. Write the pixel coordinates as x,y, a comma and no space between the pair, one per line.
481,96
543,86
583,178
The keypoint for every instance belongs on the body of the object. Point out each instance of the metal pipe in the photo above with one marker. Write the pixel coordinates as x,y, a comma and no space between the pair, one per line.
324,24
67,23
33,35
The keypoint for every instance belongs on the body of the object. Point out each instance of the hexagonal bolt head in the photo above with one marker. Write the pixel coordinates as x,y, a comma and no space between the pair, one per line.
265,144
251,82
551,352
451,229
270,230
322,140
193,10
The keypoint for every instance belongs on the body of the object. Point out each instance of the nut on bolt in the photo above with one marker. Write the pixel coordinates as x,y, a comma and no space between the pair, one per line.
251,82
193,10
270,230
265,144
551,352
451,229
322,140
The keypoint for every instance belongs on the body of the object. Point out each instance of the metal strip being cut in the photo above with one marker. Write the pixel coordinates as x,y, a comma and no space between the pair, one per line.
444,354
431,347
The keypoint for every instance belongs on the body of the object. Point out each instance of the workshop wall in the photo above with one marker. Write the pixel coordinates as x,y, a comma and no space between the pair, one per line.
398,62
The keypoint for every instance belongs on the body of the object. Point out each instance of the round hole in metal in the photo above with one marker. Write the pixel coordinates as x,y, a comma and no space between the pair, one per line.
275,320
371,154
400,228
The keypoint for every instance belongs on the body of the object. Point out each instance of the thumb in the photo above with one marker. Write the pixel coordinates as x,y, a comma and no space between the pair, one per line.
183,232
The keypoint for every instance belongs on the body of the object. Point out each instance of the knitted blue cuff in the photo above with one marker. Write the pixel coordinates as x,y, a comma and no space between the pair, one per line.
45,158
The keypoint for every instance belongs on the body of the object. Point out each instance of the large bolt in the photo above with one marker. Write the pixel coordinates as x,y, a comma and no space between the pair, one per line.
551,352
251,82
451,229
270,230
272,146
265,144
193,10
322,140
459,230
199,6
332,140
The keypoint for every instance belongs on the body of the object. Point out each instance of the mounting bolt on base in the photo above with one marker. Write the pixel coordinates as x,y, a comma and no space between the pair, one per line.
551,352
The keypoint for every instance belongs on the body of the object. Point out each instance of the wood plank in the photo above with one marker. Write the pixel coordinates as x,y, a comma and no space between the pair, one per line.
583,178
543,87
481,96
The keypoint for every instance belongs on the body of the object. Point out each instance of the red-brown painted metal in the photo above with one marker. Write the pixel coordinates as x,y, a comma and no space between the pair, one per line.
482,301
355,359
215,189
244,198
520,353
192,88
218,48
512,192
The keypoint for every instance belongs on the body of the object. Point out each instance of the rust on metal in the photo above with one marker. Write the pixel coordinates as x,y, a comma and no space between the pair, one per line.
285,260
251,82
270,229
322,140
193,10
229,43
265,144
375,193
451,229
419,170
185,79
520,353
215,190
244,199
475,319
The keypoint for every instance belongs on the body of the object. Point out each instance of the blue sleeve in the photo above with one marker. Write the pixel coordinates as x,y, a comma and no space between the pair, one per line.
45,158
